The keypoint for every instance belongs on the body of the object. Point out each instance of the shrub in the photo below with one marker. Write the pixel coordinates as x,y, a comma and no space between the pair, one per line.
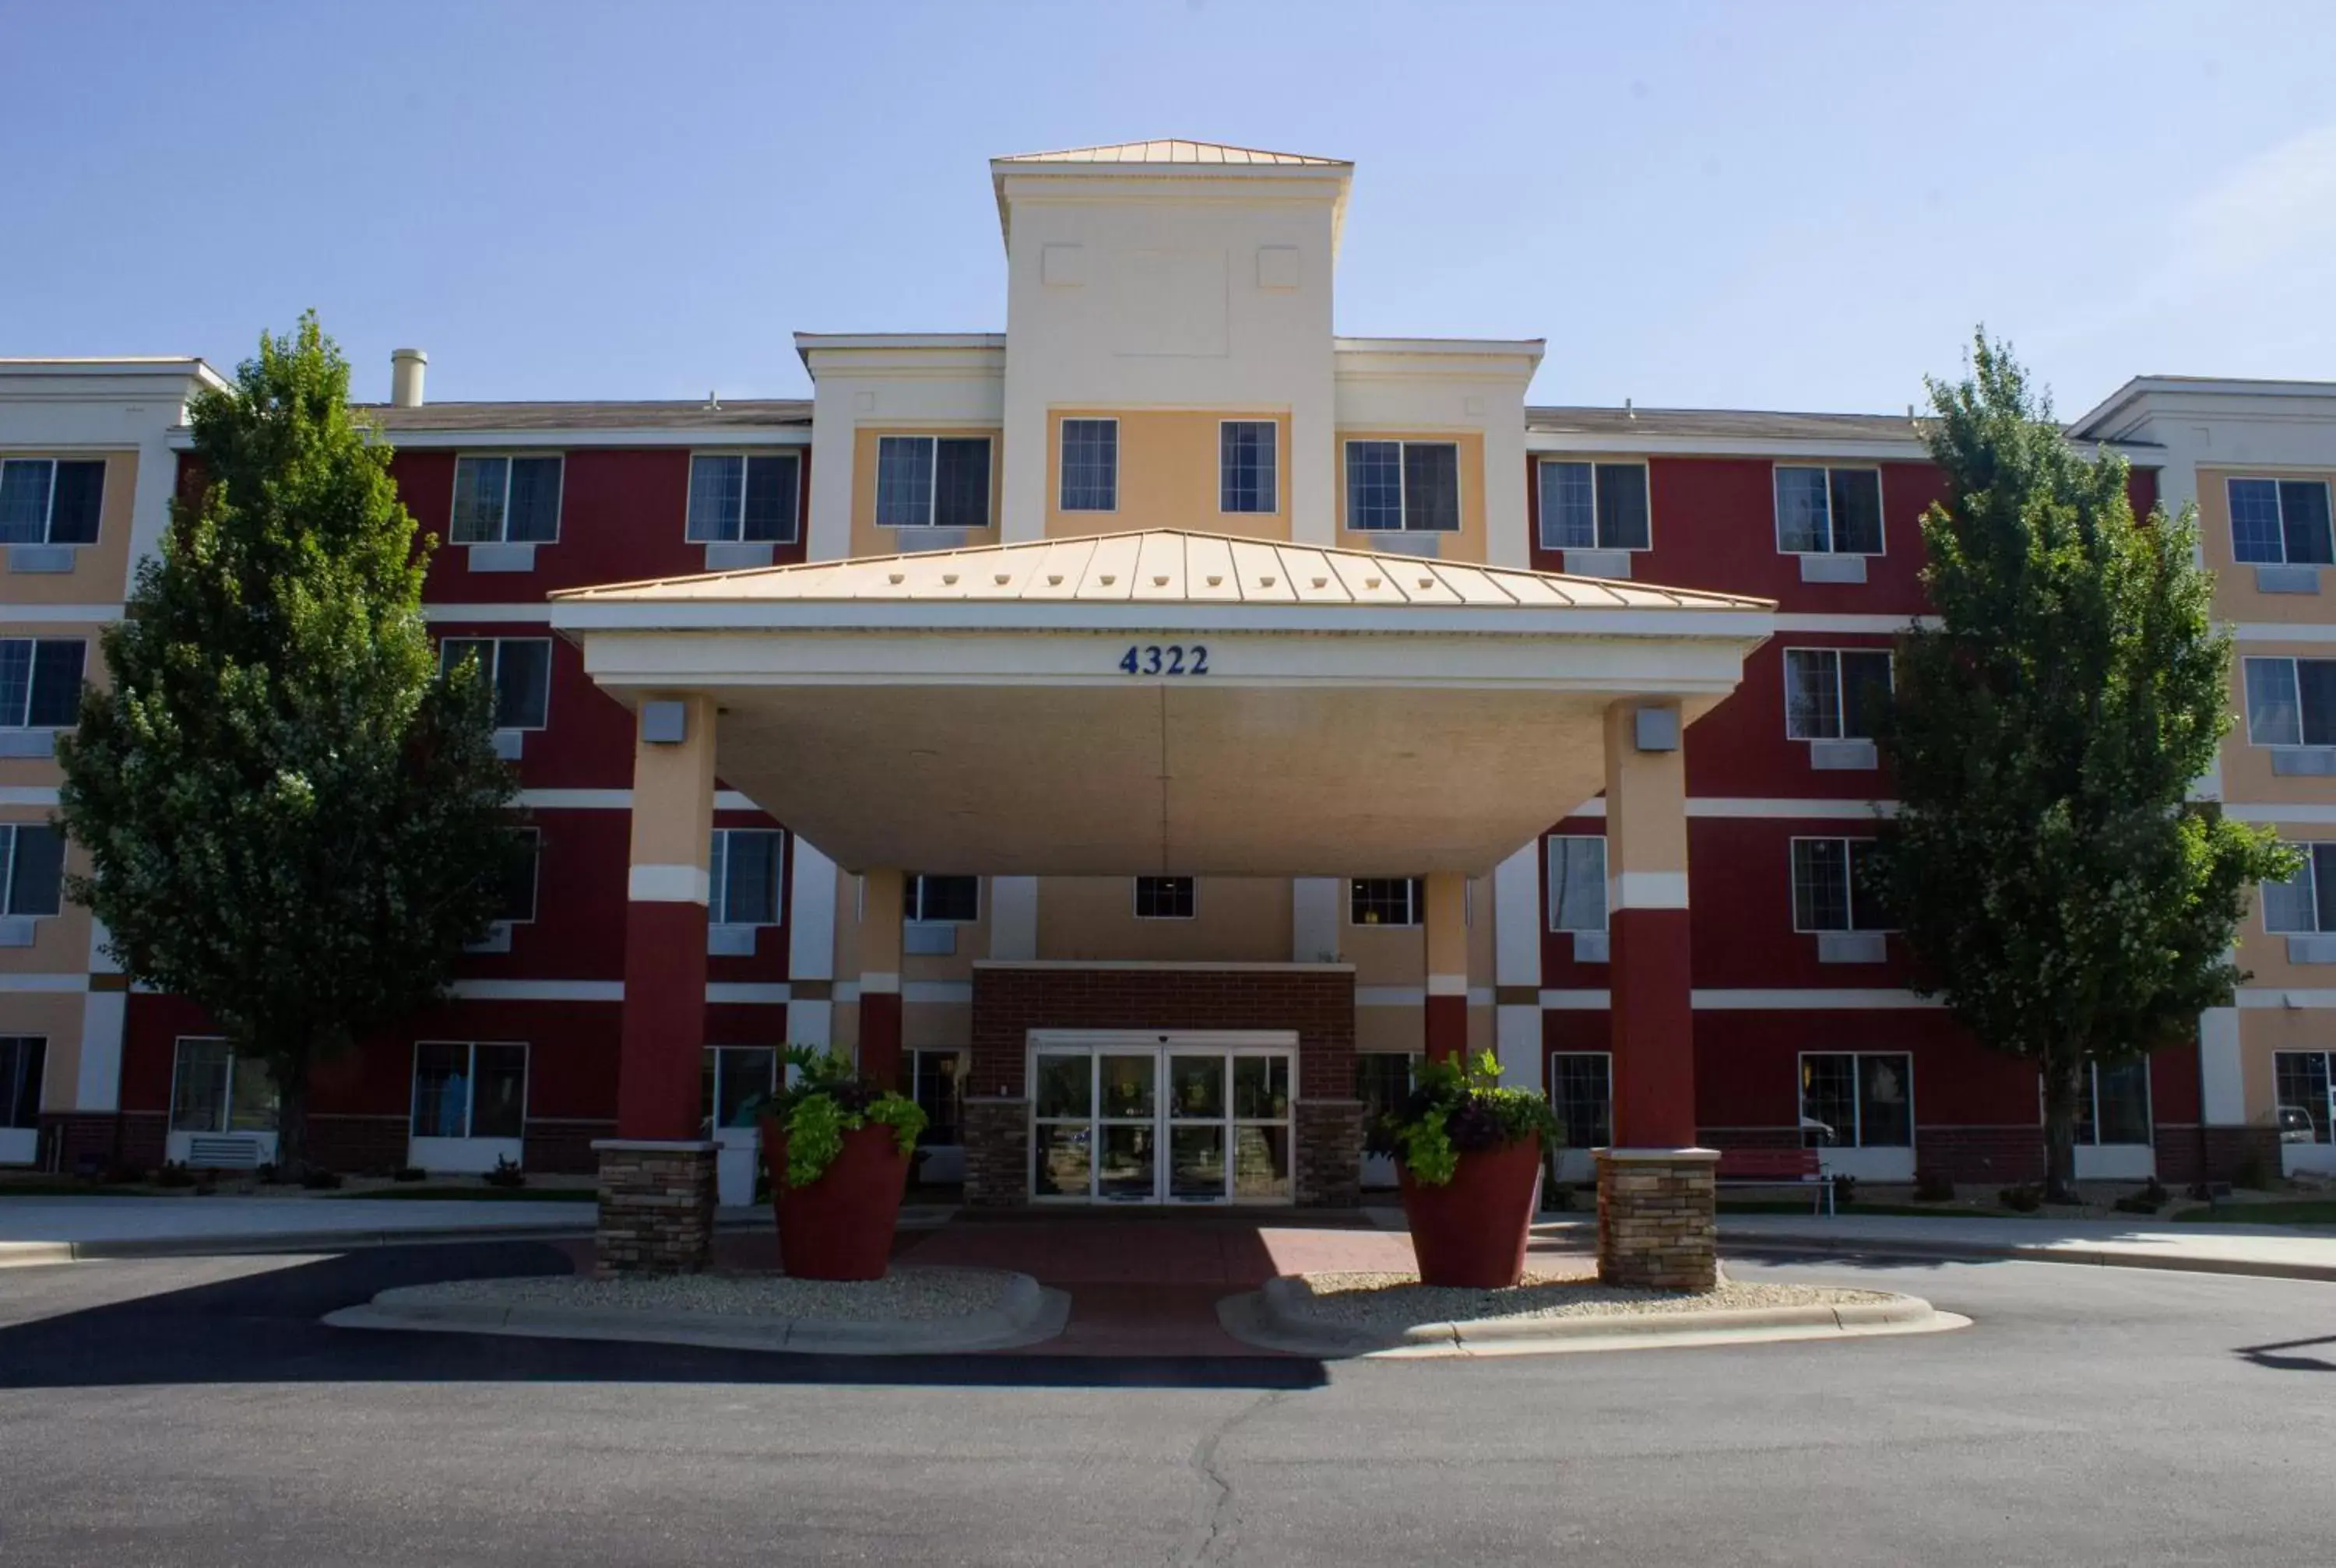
2024,1198
2140,1203
2252,1174
174,1174
319,1179
124,1175
1844,1190
1459,1109
506,1173
826,1099
1934,1185
409,1174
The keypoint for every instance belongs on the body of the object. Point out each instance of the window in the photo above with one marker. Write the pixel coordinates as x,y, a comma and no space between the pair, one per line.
506,499
34,868
1832,887
22,1060
735,499
954,900
1384,901
1382,1082
2281,521
937,1083
40,682
745,877
2115,1106
2301,1082
1593,506
1581,1092
517,905
2306,902
1858,1100
1833,694
736,1079
1165,898
518,667
1245,459
49,501
1577,882
932,481
462,1090
1828,511
1090,465
1403,486
213,1090
2292,701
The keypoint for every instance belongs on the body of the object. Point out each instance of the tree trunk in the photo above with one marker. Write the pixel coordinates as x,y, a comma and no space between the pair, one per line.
291,1115
2063,1082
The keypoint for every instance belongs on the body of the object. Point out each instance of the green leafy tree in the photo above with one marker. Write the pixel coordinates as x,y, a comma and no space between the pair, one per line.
292,818
2059,889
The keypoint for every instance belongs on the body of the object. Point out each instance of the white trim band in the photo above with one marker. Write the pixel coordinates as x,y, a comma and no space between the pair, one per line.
1646,891
668,885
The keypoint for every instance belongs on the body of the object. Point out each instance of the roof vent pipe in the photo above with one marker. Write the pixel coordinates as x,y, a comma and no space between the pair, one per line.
1628,411
405,367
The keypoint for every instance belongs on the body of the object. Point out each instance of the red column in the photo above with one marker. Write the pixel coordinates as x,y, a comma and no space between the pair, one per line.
1653,1025
1447,1027
880,1037
658,1060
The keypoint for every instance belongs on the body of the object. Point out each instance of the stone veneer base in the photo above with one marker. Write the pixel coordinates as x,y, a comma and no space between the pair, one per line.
656,1207
1658,1226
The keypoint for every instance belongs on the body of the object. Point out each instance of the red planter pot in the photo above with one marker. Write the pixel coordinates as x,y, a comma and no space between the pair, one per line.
1472,1230
841,1226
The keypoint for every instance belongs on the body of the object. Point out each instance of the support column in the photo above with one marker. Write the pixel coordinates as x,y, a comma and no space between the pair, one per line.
1655,1221
1447,919
880,977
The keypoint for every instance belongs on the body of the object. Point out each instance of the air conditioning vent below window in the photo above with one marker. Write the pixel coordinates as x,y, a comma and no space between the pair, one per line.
41,558
927,937
1832,569
2317,948
509,744
1591,947
918,541
18,931
1613,563
1851,948
502,558
737,557
730,941
1390,543
2287,580
496,940
223,1153
28,743
2304,761
1843,756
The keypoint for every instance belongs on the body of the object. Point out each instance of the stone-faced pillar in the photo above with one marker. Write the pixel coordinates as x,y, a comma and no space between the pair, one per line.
880,977
1447,920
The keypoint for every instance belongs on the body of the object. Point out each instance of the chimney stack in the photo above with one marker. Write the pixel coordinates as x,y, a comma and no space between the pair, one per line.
405,367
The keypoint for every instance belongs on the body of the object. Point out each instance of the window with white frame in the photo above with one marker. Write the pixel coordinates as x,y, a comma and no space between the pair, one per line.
1382,1082
1834,693
737,498
2301,1083
1828,511
517,904
1245,465
50,500
2112,1105
34,873
22,1059
2306,902
736,1081
517,668
40,682
1403,486
932,481
213,1090
2280,521
937,1083
469,1089
1090,465
2291,701
1165,898
1581,1093
951,901
506,499
1860,1099
1386,901
1577,882
1833,887
743,876
1593,505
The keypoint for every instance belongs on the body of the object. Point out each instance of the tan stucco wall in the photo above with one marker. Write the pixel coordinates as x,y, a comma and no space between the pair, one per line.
2235,597
56,1016
2264,1032
673,795
100,570
929,1026
1382,955
1168,474
867,539
1236,920
1402,1027
1470,542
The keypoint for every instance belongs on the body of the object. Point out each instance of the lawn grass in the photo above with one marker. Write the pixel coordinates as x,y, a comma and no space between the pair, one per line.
2311,1213
483,1194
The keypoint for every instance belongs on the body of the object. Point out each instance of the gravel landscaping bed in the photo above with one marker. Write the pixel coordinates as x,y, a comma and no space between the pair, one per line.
904,1295
1395,1300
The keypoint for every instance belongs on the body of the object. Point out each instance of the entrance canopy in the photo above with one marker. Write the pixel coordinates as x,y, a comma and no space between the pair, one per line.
1162,701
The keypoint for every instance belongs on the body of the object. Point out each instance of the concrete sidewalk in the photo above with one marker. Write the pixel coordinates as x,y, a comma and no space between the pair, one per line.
2283,1251
65,1230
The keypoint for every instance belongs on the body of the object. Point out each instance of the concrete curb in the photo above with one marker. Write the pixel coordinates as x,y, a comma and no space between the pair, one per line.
1949,1251
1274,1317
1029,1314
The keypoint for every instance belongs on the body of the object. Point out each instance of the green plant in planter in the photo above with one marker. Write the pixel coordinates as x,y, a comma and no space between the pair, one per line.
824,1097
1456,1108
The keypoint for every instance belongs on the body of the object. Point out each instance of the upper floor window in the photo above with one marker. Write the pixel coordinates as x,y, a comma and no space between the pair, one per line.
22,1060
1593,506
956,901
40,682
1403,486
506,499
49,501
1828,511
1386,901
518,669
1090,465
517,905
1577,882
1245,465
2292,701
1833,694
2306,902
734,499
35,869
1165,898
2281,521
743,877
1831,888
932,481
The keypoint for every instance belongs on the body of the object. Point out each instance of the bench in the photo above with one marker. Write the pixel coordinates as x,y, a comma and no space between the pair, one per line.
1777,1168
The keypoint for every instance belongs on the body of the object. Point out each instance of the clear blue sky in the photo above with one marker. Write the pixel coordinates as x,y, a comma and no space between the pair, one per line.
1771,205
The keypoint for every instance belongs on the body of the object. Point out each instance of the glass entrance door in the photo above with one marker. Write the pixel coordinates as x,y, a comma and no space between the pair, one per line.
1161,1119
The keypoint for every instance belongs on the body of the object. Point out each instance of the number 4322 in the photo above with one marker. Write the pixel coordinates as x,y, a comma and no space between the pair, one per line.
1176,659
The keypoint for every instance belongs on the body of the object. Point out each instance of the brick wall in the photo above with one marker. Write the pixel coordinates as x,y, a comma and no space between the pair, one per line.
563,1147
2225,1149
1983,1155
363,1145
133,1140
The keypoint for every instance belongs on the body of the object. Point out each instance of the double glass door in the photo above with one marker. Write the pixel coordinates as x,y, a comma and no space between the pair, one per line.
1160,1120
